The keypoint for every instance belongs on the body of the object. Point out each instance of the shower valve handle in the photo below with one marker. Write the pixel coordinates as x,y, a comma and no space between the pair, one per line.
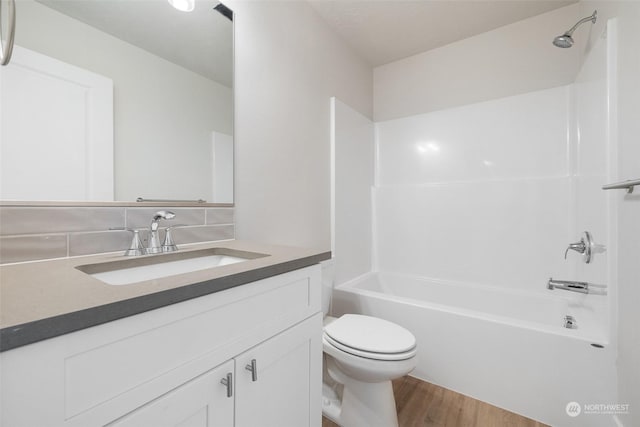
579,247
584,247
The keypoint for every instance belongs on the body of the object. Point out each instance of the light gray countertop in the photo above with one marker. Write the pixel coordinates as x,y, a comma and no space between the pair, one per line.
45,299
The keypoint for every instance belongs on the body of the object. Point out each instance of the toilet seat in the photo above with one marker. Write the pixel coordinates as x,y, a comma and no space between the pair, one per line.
368,354
370,337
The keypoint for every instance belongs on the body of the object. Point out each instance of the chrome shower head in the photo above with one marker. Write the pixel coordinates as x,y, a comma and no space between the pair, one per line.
566,39
563,41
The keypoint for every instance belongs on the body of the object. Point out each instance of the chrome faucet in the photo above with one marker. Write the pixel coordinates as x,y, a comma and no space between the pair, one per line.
568,285
154,246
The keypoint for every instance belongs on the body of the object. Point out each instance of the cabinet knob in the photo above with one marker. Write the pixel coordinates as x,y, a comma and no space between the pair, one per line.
228,382
253,368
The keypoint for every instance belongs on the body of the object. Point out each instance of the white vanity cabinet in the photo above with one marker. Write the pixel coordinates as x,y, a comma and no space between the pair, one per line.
165,367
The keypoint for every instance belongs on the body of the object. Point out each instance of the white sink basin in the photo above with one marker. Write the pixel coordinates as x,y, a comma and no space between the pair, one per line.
136,270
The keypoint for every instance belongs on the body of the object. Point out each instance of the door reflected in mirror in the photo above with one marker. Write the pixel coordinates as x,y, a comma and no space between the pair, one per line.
108,100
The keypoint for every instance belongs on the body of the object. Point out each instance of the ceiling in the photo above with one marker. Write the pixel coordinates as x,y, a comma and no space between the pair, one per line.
383,31
201,40
379,31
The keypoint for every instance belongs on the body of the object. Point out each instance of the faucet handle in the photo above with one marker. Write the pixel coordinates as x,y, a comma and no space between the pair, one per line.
584,247
579,247
169,245
136,247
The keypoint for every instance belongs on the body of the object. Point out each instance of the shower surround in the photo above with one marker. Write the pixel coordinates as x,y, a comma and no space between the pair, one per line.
478,203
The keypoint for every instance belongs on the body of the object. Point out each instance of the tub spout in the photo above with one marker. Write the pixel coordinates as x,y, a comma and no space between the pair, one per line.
568,285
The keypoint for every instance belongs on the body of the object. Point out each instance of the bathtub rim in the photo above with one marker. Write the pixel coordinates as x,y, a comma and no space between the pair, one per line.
590,337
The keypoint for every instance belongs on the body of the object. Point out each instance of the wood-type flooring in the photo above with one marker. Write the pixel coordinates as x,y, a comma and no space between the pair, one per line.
421,404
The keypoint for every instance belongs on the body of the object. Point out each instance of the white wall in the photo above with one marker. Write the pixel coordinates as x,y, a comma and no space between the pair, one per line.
288,65
513,59
627,207
159,107
353,171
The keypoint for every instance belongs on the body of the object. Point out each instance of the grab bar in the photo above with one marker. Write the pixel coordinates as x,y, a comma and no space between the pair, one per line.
623,184
568,285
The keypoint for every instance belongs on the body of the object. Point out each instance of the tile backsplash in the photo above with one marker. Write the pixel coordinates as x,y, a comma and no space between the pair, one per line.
29,233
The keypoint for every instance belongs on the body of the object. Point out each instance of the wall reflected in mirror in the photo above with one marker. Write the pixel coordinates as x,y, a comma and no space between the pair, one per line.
114,100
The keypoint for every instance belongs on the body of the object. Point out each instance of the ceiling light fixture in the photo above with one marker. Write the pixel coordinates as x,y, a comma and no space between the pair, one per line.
183,5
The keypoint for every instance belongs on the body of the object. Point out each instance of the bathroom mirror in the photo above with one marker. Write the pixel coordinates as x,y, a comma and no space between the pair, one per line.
123,99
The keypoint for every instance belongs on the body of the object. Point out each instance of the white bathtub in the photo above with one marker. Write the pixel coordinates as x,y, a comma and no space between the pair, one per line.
508,348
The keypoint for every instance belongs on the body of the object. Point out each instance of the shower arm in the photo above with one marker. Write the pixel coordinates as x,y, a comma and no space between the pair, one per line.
591,18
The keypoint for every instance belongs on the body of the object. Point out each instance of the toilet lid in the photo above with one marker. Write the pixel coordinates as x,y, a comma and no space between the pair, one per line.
370,334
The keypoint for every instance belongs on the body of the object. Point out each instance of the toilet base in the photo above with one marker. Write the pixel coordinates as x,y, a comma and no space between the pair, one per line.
331,403
363,404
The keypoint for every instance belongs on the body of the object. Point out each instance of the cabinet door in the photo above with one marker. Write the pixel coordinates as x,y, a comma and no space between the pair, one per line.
201,402
284,389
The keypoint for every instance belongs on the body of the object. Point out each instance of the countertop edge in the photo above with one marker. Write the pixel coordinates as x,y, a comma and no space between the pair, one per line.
28,333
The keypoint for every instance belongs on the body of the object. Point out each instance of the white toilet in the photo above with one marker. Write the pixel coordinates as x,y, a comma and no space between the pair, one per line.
362,354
